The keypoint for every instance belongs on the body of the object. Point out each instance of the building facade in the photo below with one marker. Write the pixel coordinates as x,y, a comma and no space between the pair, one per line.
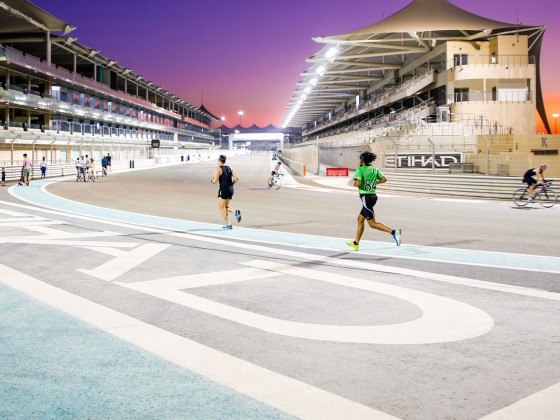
59,98
430,76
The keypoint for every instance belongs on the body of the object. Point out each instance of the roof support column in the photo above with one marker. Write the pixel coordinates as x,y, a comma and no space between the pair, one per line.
75,68
48,46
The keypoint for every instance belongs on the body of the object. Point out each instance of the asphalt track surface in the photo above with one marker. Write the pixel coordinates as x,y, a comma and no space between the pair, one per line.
140,305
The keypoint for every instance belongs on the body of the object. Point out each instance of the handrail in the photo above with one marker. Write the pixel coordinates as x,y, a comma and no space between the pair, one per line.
490,96
466,60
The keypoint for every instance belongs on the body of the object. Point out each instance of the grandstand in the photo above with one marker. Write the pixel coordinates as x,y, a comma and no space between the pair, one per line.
430,79
61,99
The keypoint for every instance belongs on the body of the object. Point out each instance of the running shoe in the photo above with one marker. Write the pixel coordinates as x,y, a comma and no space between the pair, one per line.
353,245
397,236
227,227
238,215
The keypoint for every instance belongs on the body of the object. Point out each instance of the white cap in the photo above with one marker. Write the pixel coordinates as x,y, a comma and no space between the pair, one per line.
544,164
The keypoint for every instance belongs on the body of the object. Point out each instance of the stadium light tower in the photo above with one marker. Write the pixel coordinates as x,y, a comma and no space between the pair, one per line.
555,116
240,113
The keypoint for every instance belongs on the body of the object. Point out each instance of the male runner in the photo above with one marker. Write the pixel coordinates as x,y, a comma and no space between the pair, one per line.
226,177
366,179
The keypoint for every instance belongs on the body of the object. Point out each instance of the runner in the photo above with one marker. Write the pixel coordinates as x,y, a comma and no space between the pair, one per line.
366,179
226,177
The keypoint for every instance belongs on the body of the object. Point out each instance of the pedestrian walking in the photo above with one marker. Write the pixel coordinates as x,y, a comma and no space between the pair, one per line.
44,167
3,176
366,179
226,177
26,169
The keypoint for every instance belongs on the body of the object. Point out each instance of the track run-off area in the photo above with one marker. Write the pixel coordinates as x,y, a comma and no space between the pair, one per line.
125,298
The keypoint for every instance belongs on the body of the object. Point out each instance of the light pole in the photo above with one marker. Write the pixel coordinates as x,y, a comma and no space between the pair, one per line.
555,116
240,113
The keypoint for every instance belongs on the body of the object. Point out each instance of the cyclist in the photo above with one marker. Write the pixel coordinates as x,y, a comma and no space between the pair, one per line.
104,164
531,182
366,179
276,171
92,169
83,167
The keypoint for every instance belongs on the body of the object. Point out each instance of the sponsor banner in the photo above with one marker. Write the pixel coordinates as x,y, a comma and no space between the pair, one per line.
422,160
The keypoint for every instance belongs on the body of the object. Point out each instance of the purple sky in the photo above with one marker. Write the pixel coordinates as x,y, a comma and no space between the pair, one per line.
248,54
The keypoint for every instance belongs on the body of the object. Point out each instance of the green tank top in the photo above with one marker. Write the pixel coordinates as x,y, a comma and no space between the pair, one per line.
369,177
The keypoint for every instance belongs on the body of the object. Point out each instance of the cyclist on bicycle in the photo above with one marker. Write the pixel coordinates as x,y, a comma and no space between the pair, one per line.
83,167
104,164
275,172
531,182
91,169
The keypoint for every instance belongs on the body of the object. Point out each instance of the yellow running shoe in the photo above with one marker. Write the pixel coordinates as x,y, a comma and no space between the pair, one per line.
353,245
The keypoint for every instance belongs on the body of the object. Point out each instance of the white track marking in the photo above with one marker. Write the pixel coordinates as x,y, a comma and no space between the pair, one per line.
542,405
289,395
499,287
125,262
442,320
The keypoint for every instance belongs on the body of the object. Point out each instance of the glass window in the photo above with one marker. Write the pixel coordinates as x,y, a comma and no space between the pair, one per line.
460,59
461,94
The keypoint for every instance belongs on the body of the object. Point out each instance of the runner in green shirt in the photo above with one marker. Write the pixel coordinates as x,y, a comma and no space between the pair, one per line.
366,179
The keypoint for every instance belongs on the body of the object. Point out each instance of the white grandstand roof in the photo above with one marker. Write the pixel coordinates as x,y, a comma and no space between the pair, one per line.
24,16
366,58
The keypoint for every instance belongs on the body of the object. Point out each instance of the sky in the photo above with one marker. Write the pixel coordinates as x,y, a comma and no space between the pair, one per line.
248,54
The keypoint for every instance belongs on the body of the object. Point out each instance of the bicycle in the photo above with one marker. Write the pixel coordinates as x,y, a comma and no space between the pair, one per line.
544,195
276,182
90,175
81,176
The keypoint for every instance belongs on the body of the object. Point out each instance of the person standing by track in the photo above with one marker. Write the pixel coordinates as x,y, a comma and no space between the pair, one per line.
226,177
366,179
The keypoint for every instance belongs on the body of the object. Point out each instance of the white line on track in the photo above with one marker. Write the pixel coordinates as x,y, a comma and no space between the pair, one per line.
541,405
499,287
287,394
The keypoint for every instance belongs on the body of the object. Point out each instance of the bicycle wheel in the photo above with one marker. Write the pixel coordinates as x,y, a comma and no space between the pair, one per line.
277,184
520,197
547,198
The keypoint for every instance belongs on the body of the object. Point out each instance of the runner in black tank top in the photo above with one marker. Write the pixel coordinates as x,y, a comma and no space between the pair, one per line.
226,177
226,183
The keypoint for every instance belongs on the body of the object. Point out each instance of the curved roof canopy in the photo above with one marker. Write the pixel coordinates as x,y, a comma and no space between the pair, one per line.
359,60
25,17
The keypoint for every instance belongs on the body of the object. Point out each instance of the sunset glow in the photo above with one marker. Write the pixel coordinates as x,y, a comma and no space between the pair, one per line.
249,54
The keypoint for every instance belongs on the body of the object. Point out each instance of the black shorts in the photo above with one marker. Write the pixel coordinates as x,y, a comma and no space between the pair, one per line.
273,173
226,193
529,181
368,202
